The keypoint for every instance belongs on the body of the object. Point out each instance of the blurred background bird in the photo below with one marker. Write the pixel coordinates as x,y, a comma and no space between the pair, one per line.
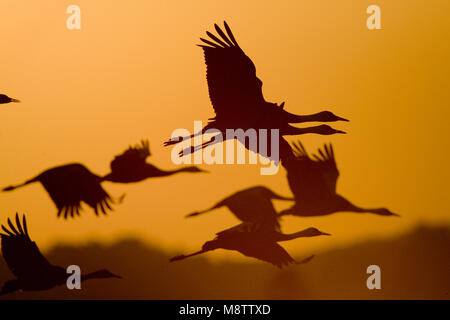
253,205
313,182
131,166
32,270
256,241
68,186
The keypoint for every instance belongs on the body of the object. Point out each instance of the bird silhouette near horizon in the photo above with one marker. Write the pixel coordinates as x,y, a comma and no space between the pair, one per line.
131,166
236,95
252,205
256,241
5,99
313,183
32,270
68,186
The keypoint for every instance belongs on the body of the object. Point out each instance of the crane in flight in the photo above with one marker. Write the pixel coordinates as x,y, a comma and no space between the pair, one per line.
131,166
256,241
236,95
68,186
252,204
32,271
313,179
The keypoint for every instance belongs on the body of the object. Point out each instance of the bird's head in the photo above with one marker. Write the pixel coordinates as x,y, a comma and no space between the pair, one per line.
326,130
314,232
328,116
385,212
5,99
103,274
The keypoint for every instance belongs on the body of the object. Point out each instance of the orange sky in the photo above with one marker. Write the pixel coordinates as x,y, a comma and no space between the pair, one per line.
133,71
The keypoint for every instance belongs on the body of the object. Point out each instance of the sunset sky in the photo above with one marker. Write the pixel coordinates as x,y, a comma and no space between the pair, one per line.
133,72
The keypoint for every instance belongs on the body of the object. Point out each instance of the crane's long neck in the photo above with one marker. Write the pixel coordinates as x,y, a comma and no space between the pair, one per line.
295,235
290,130
345,205
181,257
88,276
10,188
196,213
163,173
294,118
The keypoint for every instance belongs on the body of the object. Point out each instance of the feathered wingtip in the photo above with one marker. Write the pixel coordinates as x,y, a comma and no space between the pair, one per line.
69,211
299,149
227,40
22,229
143,148
327,154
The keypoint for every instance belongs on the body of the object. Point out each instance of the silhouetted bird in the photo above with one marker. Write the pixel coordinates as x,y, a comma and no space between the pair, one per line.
313,183
257,242
130,166
251,205
5,99
68,186
236,95
32,270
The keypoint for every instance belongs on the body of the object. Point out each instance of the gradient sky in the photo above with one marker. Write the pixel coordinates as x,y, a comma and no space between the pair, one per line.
133,71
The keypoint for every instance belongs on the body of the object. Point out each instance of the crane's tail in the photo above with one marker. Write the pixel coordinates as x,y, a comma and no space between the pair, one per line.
10,188
182,256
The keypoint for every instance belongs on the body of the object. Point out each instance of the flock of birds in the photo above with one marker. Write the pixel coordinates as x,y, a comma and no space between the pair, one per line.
236,95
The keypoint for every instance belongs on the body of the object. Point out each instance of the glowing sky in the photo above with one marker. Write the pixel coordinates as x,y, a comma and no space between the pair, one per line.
133,71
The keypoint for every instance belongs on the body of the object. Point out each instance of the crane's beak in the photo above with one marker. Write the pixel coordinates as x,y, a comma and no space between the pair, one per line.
342,119
340,131
325,233
14,100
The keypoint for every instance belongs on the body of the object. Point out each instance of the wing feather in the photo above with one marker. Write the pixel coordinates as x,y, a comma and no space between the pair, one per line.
21,254
312,178
234,89
134,156
70,185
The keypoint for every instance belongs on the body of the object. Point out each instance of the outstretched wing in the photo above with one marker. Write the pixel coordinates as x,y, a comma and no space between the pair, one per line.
327,163
71,184
271,252
252,240
133,157
20,253
253,205
312,178
240,228
232,83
